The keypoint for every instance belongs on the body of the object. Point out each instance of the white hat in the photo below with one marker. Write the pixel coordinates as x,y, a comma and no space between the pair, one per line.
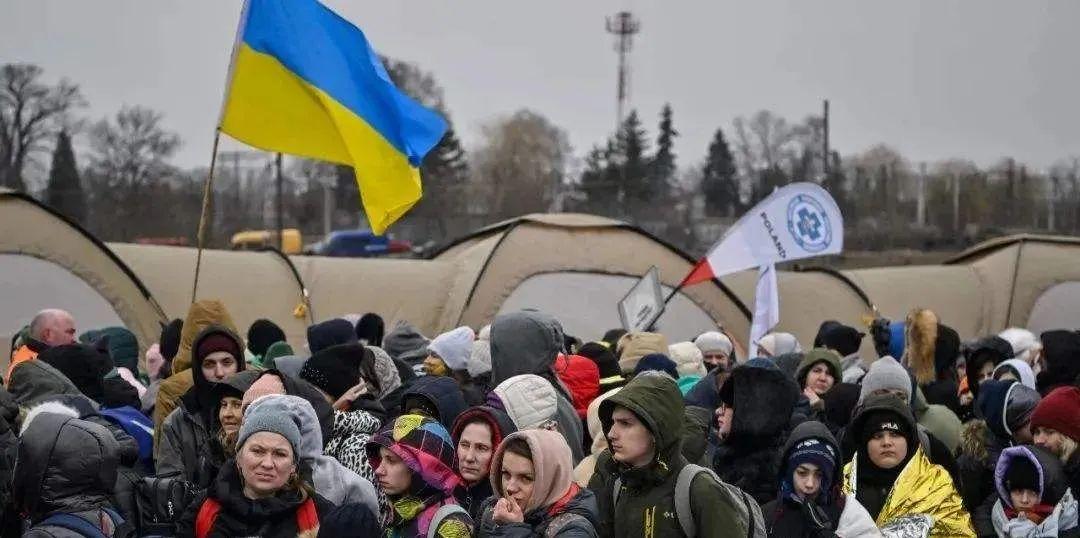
453,347
714,342
688,359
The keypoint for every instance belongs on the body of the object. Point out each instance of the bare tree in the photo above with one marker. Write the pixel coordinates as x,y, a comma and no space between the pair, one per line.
765,141
522,164
128,162
31,114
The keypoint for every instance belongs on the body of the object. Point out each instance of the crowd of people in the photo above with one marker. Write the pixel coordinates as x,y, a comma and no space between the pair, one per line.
516,429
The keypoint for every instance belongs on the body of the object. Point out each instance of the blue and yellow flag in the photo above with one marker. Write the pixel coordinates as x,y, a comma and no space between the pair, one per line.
305,81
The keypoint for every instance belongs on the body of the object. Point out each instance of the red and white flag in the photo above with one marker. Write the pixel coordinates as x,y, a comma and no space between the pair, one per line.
797,221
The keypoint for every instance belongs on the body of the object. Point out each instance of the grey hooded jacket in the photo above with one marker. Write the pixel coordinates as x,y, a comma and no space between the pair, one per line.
331,480
528,342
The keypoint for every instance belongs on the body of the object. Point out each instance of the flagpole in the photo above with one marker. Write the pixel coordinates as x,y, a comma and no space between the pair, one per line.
207,191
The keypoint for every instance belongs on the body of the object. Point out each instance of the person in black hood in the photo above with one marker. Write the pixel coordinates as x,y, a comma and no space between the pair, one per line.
477,433
810,503
1004,410
1061,353
227,416
528,342
65,466
369,329
439,398
980,360
757,402
185,440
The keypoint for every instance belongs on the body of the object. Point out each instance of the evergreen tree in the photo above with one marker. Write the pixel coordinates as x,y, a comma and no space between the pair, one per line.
64,191
718,181
634,166
663,162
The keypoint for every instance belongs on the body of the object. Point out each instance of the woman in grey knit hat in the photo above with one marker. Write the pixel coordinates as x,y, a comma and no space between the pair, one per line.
260,492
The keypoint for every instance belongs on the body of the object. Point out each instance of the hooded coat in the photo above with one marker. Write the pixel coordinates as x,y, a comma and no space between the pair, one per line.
557,506
527,343
1053,490
185,445
331,480
748,458
1000,404
234,386
65,465
920,487
405,342
472,496
439,394
646,506
201,315
787,518
426,448
582,377
1060,351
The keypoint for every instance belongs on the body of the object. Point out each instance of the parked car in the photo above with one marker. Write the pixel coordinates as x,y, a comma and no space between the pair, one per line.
358,244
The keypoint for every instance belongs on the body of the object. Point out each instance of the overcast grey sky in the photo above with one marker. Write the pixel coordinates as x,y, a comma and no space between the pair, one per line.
936,79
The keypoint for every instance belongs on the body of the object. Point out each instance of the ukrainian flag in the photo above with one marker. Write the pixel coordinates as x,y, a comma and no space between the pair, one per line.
305,81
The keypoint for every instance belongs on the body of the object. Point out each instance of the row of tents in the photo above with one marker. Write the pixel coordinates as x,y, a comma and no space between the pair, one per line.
575,266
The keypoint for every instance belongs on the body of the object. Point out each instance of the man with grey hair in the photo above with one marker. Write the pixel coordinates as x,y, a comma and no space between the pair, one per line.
49,328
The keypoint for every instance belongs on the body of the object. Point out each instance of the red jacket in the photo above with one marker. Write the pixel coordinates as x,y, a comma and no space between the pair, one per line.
582,377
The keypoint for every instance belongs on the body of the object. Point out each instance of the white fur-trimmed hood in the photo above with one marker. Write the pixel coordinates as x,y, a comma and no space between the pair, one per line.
57,408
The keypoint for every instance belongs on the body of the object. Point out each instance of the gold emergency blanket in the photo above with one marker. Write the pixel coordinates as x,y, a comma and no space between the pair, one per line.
921,488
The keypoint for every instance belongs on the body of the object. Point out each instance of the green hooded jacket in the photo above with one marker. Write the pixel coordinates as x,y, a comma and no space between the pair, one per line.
647,500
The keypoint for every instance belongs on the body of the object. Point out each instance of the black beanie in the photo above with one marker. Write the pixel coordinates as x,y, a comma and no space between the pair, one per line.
842,339
329,333
886,420
169,342
1022,474
612,336
603,357
370,328
263,334
335,369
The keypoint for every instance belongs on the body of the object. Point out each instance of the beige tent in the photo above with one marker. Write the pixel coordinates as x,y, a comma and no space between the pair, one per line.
578,267
1023,281
575,266
47,261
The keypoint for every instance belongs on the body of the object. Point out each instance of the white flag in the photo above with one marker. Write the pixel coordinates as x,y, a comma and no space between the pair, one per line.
797,221
766,307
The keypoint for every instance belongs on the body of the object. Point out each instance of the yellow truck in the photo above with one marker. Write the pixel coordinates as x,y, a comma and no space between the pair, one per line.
291,241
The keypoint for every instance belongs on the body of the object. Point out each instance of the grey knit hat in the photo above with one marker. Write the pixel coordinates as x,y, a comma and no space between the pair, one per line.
886,373
264,419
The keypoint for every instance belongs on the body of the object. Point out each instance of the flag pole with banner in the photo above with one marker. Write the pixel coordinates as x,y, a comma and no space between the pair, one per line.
797,221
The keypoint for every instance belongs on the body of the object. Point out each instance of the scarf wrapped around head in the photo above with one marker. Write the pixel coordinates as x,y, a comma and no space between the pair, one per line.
426,448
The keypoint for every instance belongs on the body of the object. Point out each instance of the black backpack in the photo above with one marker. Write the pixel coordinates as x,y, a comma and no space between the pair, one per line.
159,503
